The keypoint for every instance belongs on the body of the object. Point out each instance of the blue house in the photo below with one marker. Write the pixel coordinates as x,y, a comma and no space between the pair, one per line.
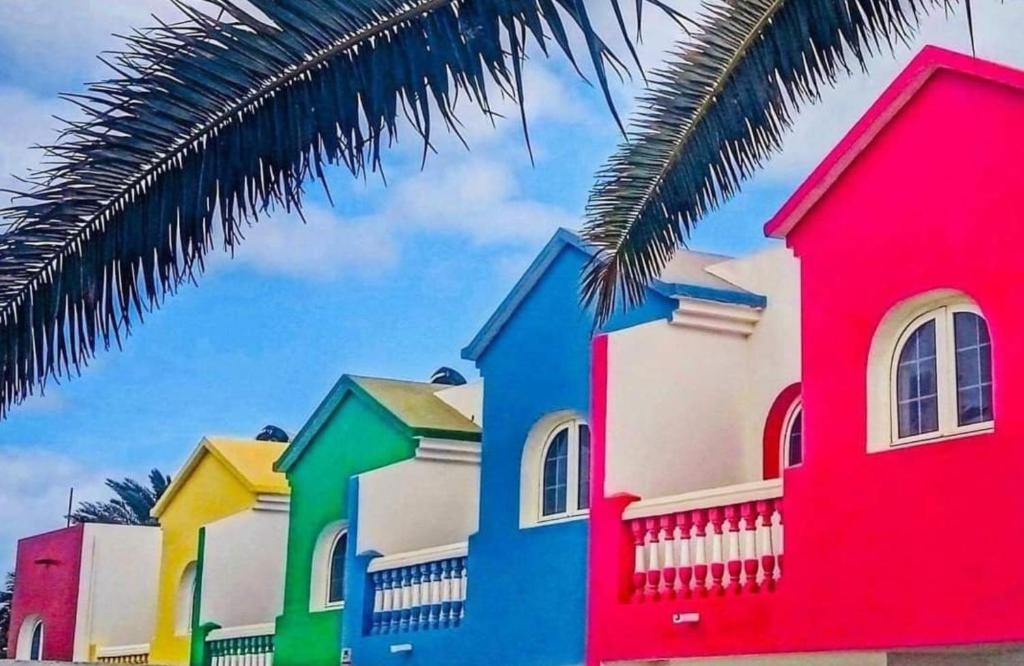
515,592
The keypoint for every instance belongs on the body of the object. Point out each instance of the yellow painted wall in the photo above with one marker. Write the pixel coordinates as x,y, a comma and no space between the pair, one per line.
212,492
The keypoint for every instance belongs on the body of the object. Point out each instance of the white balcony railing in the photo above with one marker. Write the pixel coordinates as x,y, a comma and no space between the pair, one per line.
707,542
123,654
420,590
251,645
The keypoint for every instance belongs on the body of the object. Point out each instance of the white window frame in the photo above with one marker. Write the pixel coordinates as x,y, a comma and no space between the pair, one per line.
23,651
572,476
945,377
796,408
320,573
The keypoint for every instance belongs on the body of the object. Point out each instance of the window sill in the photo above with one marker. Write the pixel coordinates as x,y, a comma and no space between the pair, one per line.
986,429
557,520
328,607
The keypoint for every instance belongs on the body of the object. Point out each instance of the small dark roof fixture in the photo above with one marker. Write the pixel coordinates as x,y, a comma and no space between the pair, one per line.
272,433
447,377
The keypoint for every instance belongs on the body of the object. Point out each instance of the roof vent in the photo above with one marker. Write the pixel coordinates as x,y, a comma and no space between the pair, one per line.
447,377
272,433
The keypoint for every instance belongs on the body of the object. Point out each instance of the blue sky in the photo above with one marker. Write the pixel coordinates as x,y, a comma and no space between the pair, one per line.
393,281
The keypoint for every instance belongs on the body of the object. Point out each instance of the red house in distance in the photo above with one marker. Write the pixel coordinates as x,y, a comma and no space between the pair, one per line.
902,446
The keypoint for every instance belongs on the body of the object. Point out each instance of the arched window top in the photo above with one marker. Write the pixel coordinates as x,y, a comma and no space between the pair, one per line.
36,646
930,373
556,470
327,579
793,436
185,602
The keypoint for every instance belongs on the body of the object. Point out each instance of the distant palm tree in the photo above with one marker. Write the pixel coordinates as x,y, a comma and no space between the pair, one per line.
6,598
131,506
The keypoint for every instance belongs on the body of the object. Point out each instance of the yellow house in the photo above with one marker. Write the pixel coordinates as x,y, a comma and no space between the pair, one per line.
223,477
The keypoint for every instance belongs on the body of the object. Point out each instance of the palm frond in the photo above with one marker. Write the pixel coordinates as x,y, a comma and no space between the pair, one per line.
214,120
712,116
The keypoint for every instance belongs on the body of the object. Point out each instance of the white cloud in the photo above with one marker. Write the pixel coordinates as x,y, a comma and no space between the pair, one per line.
818,128
323,248
34,493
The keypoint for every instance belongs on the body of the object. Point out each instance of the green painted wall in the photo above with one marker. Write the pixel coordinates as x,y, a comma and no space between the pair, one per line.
358,437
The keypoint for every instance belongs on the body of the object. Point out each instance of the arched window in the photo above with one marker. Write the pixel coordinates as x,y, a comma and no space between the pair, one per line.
793,436
941,379
35,652
185,601
336,578
565,473
30,640
327,571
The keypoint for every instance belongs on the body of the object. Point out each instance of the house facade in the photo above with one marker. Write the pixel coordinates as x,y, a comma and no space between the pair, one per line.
85,593
895,446
522,571
363,424
222,478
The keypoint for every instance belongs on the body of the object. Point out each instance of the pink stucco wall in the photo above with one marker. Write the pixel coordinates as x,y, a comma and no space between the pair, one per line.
47,574
914,546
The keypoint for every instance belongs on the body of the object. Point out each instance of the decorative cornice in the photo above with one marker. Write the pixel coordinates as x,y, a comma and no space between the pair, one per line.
272,503
448,450
716,316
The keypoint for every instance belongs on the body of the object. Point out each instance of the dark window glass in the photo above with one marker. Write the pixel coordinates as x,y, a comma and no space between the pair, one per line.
556,467
795,441
35,652
583,492
973,369
336,584
917,398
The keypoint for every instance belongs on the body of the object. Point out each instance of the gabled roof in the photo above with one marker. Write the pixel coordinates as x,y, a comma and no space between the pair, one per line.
248,460
911,80
411,406
685,275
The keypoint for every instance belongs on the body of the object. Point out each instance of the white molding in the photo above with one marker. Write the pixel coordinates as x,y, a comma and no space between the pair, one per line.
245,631
716,317
122,651
421,556
705,499
448,450
272,503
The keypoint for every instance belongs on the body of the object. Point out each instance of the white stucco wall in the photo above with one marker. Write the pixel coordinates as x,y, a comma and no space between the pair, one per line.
467,399
243,568
687,407
118,587
417,504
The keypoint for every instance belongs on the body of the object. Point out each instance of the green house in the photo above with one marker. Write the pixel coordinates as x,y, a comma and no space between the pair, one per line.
364,423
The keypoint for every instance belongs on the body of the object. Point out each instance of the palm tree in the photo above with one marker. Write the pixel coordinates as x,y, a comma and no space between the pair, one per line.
217,119
714,114
6,599
130,506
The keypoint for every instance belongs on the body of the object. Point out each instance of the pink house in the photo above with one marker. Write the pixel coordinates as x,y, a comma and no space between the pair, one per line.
869,405
85,593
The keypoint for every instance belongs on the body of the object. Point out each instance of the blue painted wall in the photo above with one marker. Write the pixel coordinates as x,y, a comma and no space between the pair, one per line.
526,603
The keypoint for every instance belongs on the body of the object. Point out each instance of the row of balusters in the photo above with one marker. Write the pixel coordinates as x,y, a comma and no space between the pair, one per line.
431,595
242,651
730,549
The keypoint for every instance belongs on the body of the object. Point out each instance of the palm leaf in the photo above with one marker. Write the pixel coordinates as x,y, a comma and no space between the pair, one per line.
214,120
712,116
